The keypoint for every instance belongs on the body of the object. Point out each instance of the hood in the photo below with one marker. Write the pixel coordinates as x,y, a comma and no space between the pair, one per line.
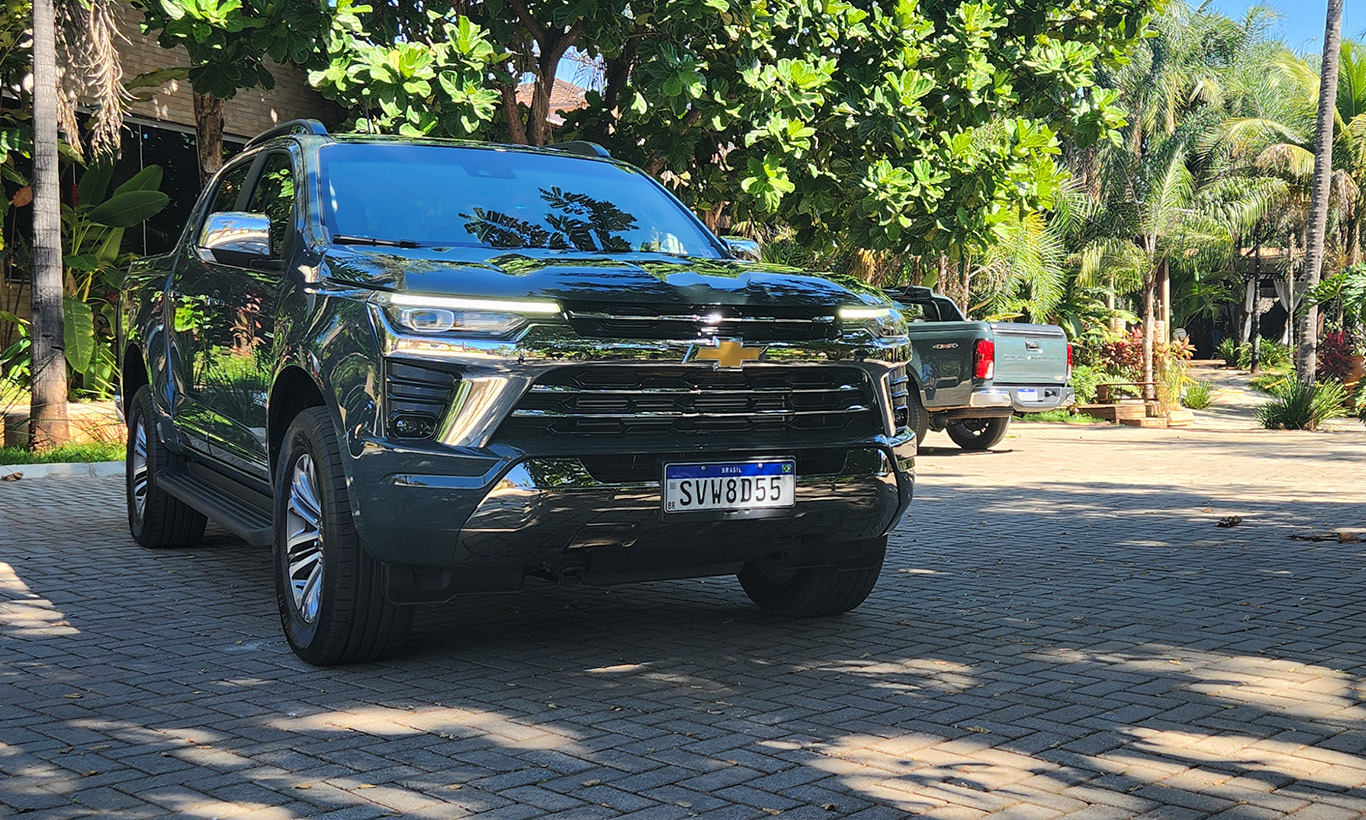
573,277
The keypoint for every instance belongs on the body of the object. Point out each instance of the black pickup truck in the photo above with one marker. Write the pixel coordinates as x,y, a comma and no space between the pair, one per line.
420,369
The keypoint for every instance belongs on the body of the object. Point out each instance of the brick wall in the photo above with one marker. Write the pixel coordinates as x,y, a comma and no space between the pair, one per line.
245,115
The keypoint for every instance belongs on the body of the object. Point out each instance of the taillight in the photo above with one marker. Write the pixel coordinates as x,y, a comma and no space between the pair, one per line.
984,363
1069,363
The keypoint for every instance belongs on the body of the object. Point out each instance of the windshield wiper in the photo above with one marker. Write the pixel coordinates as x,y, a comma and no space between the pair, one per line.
343,239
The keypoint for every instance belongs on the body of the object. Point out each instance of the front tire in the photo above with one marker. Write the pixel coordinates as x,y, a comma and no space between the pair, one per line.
978,434
812,592
919,417
330,592
156,518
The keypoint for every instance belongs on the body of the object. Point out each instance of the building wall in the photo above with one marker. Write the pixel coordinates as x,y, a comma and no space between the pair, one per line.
245,115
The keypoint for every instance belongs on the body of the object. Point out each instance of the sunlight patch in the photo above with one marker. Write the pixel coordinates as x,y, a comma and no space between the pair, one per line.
23,614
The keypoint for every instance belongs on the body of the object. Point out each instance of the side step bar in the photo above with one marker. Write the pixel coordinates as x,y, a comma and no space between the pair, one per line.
244,520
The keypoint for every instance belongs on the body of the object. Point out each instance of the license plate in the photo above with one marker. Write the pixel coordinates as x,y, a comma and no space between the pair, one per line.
1028,394
744,485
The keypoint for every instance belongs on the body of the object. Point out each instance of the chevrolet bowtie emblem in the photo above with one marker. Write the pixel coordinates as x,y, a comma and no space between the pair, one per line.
730,354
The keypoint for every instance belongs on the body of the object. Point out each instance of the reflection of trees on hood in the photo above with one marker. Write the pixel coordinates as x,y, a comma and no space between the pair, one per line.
584,224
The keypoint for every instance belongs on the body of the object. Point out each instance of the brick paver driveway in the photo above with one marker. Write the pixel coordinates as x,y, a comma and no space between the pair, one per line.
1062,629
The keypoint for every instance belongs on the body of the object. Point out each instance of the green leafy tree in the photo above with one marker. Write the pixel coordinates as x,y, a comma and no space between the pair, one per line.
911,130
228,42
431,80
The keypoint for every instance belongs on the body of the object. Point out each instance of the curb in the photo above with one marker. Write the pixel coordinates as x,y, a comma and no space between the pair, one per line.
93,469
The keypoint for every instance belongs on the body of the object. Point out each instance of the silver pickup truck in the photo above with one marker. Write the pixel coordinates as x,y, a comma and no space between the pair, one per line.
971,377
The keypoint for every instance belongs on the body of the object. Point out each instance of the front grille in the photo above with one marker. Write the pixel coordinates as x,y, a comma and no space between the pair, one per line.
696,400
627,321
415,397
901,387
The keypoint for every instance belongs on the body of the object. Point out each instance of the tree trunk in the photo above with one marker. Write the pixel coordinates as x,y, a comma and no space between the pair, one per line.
1306,364
47,424
1164,300
1254,313
1149,297
208,135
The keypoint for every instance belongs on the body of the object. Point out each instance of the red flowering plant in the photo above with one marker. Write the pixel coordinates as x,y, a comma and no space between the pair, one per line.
1335,356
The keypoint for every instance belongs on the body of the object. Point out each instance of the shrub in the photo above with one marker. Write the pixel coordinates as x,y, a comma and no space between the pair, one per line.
1124,356
1272,354
1335,356
1230,351
1303,407
1086,377
1198,395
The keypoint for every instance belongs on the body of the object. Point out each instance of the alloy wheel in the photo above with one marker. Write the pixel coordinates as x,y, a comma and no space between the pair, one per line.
304,547
139,477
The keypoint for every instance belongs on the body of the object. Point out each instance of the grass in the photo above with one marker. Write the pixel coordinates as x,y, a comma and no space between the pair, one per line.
105,451
1062,416
1199,395
1269,382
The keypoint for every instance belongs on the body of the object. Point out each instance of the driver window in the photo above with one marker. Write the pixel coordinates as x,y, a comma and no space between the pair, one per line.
274,197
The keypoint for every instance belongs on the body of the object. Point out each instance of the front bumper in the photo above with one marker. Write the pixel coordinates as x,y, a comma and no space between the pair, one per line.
477,508
495,520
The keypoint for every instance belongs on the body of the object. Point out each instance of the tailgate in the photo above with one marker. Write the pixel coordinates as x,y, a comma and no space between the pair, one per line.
1030,354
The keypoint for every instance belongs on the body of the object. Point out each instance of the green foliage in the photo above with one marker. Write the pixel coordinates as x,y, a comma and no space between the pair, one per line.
229,40
1272,354
1303,407
433,86
1198,395
905,129
101,451
1229,350
1086,377
1062,416
92,236
1268,382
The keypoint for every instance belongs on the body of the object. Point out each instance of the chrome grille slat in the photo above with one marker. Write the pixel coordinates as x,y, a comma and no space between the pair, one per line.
696,402
858,408
761,325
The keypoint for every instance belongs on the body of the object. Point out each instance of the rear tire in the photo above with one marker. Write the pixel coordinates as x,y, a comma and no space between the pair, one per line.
156,518
978,434
329,590
812,592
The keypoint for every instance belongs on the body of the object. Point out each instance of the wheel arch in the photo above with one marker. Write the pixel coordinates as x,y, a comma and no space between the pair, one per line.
133,375
294,389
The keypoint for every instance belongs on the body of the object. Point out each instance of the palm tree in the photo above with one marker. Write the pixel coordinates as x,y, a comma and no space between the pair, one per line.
87,36
47,422
1306,363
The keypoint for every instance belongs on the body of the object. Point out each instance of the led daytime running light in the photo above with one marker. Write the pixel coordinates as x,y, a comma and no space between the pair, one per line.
486,305
856,313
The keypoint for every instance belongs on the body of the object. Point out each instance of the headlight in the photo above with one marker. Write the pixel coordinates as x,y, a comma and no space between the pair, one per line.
451,314
882,322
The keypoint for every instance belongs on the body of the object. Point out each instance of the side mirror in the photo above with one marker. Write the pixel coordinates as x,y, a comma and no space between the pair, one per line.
742,248
237,238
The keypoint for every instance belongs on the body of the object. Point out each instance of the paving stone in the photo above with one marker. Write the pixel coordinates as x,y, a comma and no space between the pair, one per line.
1060,631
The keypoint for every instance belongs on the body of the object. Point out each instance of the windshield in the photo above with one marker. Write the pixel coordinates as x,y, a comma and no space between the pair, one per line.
445,196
